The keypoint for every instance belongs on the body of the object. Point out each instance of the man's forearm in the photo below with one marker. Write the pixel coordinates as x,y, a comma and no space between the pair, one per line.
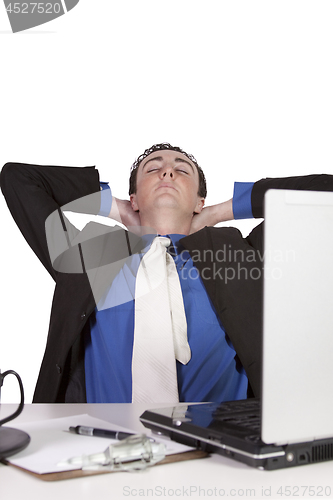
222,212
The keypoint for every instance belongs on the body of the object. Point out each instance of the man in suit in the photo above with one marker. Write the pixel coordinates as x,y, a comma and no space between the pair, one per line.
90,342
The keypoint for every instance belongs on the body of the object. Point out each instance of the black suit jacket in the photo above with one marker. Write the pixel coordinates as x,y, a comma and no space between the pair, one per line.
228,263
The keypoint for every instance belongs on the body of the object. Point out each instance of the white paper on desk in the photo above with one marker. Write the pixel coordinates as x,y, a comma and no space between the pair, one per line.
50,444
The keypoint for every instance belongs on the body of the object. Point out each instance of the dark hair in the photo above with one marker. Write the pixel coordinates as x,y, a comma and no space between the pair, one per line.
202,191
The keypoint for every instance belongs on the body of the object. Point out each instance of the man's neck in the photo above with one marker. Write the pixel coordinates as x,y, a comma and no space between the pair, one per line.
166,223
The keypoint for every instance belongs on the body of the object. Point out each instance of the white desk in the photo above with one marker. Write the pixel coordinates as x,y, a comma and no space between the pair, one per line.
213,477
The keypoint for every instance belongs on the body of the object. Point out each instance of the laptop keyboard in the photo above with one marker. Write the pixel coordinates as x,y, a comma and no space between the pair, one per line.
244,414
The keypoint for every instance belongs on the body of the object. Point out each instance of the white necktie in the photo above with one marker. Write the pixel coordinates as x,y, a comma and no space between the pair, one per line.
160,332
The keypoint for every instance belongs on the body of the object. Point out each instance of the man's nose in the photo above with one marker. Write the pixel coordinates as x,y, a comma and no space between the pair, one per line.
168,172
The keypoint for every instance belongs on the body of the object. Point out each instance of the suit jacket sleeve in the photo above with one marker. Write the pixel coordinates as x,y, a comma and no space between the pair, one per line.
34,192
320,182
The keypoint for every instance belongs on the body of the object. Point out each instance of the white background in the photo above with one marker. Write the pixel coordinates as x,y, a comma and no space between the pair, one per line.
245,86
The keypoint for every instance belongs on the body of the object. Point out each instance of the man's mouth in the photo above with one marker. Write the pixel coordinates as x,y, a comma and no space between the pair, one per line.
165,185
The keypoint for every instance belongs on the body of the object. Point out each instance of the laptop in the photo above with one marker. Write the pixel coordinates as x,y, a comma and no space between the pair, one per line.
292,423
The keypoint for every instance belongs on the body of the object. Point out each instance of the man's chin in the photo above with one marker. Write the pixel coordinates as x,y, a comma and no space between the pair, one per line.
167,200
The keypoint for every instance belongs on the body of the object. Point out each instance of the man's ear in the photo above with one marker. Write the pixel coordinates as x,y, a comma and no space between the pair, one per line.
200,205
134,203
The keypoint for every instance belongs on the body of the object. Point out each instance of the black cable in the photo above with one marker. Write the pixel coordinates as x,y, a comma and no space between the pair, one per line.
20,407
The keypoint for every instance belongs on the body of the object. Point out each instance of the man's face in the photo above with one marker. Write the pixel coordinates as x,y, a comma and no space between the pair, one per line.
167,179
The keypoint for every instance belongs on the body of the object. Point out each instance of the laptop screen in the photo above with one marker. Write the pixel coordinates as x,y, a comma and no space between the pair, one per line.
297,387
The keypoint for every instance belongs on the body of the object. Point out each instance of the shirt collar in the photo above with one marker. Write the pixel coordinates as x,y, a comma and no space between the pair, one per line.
175,247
